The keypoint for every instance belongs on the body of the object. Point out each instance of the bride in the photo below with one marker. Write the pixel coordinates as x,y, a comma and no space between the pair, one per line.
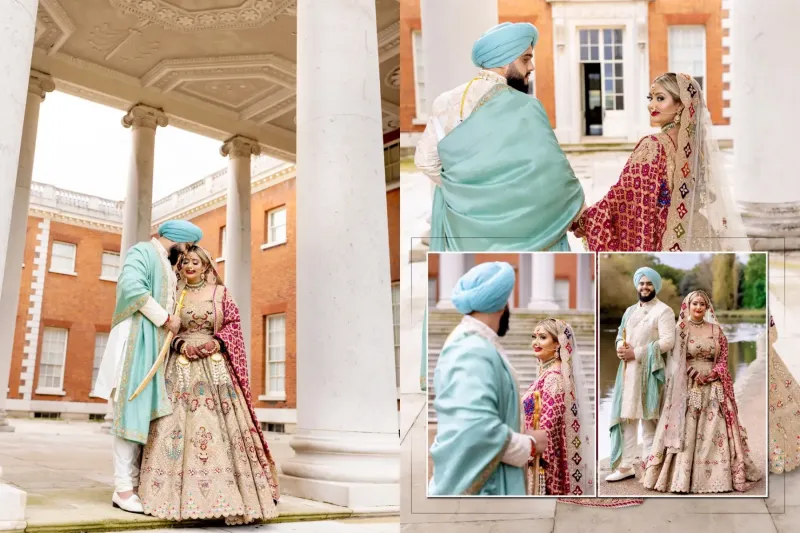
700,445
672,194
568,461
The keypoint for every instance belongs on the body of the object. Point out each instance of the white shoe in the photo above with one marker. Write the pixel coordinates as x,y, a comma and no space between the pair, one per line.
132,503
619,475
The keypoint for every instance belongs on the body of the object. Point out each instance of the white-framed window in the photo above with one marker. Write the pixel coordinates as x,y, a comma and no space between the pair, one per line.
275,348
223,241
110,268
396,323
276,226
51,361
418,57
604,46
687,51
62,258
562,293
100,342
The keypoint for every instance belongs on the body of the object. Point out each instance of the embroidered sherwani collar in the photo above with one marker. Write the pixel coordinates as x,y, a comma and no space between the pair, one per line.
159,247
646,306
489,75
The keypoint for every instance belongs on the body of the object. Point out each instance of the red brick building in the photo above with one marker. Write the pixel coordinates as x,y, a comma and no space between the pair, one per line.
594,61
72,261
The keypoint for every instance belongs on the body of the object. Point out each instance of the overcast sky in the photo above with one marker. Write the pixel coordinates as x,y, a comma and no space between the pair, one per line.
82,146
686,260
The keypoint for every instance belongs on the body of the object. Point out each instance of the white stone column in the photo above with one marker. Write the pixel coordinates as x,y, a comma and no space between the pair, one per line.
543,282
585,300
447,48
137,215
451,267
238,245
17,29
138,209
38,85
349,452
763,38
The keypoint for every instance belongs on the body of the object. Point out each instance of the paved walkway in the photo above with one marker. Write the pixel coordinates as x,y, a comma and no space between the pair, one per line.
779,513
66,470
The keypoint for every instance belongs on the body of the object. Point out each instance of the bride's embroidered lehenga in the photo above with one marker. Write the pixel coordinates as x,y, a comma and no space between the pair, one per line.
700,444
784,411
669,196
209,458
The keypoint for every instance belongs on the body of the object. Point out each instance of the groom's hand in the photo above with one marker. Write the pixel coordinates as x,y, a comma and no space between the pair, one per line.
173,324
626,353
540,436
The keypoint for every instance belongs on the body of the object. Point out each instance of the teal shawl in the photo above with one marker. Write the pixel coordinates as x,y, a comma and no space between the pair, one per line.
652,385
142,275
506,185
477,407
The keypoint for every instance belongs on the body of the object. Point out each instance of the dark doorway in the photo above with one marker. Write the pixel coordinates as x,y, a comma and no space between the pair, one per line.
592,99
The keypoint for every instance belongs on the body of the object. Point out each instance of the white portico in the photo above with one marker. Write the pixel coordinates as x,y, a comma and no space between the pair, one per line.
601,70
229,70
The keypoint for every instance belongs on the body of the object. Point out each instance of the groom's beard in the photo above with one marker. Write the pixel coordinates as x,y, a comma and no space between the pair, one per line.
648,297
502,329
516,80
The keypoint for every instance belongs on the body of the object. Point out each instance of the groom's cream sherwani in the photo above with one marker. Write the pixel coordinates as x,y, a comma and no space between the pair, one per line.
650,321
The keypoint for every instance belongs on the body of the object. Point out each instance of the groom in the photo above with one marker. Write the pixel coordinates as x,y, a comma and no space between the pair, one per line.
478,447
646,333
502,181
142,317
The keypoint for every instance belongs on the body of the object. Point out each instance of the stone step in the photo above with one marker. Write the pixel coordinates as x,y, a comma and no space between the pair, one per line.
89,509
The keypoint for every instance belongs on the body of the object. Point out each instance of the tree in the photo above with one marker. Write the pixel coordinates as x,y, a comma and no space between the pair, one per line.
755,282
667,272
723,286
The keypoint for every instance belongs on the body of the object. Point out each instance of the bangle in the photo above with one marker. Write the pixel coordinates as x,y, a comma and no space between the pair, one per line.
533,446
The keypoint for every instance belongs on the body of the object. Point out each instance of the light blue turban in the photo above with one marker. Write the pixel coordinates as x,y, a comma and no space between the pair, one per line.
651,274
485,288
503,44
180,231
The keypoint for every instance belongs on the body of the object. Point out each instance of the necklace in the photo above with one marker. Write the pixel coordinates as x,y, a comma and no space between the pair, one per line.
697,324
665,128
197,287
547,364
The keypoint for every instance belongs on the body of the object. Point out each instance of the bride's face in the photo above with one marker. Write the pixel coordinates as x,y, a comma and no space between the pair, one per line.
698,307
544,346
662,107
192,267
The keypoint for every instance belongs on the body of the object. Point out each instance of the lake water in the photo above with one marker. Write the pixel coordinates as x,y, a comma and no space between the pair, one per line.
742,342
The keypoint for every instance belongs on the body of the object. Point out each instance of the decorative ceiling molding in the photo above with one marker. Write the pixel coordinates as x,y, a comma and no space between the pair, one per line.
389,42
258,108
176,15
392,79
171,72
56,26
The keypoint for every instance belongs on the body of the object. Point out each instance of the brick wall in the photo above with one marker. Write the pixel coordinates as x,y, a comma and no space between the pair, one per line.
662,14
84,304
707,13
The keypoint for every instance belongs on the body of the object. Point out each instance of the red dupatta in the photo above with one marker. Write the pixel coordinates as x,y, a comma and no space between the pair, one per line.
230,334
632,216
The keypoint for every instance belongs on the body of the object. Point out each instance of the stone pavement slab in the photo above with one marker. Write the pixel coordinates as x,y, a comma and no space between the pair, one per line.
66,470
